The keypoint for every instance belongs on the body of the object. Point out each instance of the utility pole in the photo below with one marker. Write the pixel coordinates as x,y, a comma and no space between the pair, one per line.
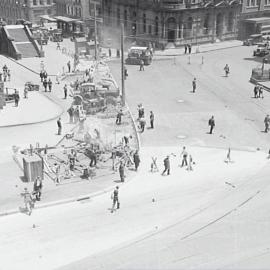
95,19
122,65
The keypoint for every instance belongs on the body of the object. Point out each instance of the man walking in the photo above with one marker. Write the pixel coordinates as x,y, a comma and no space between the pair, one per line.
65,91
141,65
38,188
59,126
186,48
211,123
184,155
194,85
115,198
166,162
142,124
136,159
50,85
189,48
45,84
122,171
266,123
256,88
227,70
152,118
69,66
260,92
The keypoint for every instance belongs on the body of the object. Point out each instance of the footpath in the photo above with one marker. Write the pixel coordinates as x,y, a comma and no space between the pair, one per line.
41,110
203,48
53,194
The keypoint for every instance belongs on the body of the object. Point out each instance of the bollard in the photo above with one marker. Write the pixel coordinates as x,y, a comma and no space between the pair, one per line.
189,60
202,60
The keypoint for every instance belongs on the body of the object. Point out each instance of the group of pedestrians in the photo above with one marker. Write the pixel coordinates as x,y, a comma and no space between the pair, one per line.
43,75
31,197
75,114
47,85
188,48
258,91
186,161
141,118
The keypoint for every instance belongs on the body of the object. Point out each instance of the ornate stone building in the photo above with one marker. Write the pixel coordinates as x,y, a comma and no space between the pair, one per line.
29,10
255,18
174,21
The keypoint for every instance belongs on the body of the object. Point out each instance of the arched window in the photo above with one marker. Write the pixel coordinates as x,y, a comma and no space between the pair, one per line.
230,22
125,17
156,26
206,24
189,26
144,23
118,16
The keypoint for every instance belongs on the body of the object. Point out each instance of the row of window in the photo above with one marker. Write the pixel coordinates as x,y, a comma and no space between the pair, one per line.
42,2
154,27
74,11
252,3
10,12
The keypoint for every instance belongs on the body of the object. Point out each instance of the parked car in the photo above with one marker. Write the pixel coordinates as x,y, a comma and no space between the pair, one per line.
262,50
136,54
253,40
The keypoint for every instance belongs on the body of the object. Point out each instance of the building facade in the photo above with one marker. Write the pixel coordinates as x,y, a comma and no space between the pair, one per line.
173,21
82,10
255,18
29,10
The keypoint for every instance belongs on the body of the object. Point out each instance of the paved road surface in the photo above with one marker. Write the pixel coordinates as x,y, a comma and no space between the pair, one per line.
213,218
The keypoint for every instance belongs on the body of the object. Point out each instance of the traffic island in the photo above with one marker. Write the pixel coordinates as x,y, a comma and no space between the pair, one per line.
86,159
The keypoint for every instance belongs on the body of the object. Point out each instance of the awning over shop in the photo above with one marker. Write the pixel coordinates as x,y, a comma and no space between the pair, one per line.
265,28
65,19
258,20
47,18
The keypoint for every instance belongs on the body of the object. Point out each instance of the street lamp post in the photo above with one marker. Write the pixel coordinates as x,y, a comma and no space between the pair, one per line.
263,61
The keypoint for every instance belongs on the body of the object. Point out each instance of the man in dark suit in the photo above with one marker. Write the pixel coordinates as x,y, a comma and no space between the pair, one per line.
212,124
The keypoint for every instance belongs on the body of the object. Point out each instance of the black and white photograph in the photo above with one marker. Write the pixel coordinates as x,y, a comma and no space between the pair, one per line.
135,134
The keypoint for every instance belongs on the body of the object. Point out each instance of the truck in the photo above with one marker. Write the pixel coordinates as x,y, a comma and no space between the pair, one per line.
136,54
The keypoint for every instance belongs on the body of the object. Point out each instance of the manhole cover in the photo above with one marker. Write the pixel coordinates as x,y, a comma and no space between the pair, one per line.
180,100
181,136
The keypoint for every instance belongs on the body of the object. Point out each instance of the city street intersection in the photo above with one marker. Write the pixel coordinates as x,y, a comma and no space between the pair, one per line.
215,217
